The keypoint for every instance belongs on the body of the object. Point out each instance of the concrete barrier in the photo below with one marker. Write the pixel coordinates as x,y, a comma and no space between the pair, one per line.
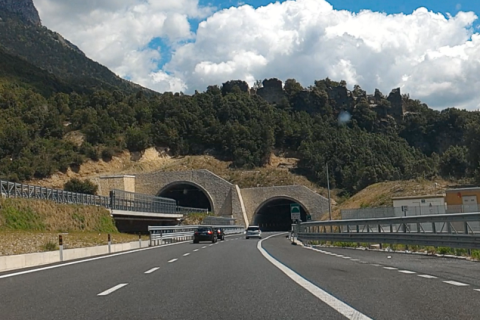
41,258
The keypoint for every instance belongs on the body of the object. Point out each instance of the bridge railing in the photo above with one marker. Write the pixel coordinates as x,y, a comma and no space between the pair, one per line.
441,230
19,190
118,199
162,234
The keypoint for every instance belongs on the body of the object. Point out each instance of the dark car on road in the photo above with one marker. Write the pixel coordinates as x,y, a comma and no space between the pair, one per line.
220,233
204,234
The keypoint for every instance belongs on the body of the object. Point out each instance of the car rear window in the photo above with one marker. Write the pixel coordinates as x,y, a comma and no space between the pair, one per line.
252,228
203,229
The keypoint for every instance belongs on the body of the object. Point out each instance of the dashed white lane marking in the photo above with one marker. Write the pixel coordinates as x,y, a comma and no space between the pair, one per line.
107,292
152,270
338,305
376,265
456,283
406,271
173,260
88,260
186,254
195,250
477,290
390,268
210,245
427,276
204,247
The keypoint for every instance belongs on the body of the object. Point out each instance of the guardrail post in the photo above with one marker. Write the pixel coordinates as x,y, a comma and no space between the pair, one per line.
466,227
60,244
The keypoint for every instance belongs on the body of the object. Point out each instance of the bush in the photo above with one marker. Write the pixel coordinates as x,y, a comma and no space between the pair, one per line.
76,185
107,154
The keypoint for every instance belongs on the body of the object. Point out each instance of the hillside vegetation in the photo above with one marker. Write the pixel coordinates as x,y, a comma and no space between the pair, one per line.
242,128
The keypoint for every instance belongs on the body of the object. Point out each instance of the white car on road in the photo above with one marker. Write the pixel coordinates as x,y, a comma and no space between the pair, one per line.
253,232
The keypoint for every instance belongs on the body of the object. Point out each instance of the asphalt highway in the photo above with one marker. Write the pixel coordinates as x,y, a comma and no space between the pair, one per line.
244,279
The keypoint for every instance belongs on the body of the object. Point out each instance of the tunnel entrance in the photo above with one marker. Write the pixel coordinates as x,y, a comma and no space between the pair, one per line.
187,195
274,215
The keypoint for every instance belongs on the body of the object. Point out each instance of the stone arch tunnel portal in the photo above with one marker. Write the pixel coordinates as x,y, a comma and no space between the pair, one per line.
187,195
274,215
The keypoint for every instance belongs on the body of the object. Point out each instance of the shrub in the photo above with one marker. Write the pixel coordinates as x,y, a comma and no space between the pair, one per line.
76,185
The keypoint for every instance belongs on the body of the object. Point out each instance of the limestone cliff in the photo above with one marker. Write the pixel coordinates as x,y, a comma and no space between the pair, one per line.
24,8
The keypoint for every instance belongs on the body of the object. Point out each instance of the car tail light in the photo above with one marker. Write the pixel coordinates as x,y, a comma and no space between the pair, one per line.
209,232
196,232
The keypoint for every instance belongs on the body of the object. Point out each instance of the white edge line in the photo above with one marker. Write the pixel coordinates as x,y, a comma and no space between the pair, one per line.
327,298
107,292
87,260
173,260
152,270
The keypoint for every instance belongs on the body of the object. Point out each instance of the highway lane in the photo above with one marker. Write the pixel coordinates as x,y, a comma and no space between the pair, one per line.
443,268
401,290
233,280
227,280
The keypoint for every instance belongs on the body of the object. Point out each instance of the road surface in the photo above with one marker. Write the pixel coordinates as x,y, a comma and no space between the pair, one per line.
245,279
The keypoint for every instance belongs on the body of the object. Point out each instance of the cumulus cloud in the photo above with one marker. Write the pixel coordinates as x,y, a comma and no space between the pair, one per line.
117,33
431,56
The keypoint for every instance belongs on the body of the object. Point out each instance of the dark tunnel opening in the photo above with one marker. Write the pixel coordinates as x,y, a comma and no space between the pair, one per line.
187,195
275,215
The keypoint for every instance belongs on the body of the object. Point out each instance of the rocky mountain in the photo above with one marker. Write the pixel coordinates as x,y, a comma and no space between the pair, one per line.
25,9
23,36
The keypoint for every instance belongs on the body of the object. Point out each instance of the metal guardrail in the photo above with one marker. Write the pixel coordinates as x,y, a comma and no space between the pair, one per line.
118,199
442,230
18,190
161,234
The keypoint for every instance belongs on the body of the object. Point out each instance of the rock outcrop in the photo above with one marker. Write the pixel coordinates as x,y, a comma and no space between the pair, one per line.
272,90
24,8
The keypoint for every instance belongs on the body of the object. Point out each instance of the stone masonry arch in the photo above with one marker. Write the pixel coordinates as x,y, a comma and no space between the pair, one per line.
279,198
223,195
313,203
196,185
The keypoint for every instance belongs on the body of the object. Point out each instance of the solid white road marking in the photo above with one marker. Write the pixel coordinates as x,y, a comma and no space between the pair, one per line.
195,250
186,254
87,260
152,270
346,258
106,292
406,271
355,259
390,268
456,283
427,276
173,260
338,305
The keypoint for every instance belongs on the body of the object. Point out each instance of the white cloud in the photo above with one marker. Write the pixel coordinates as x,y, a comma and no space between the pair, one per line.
431,56
116,33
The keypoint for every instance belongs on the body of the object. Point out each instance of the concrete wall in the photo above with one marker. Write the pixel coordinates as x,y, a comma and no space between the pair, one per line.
120,182
41,258
255,198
